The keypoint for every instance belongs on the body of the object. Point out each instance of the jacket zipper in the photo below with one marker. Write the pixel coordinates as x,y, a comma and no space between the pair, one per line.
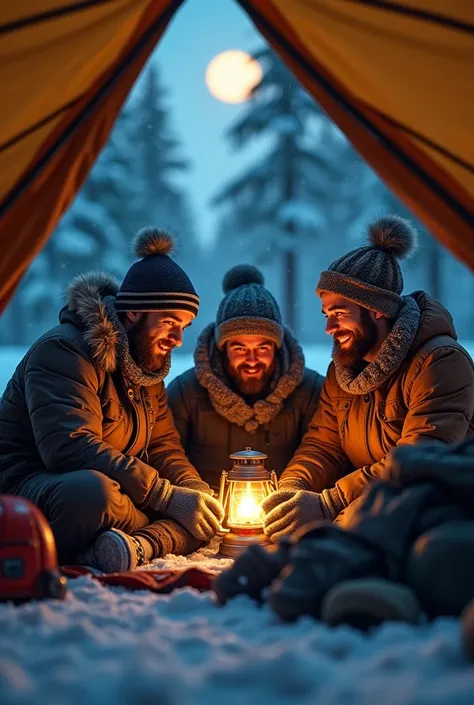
368,401
149,427
131,396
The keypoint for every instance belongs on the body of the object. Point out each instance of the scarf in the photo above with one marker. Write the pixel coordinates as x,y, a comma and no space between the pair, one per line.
211,375
392,353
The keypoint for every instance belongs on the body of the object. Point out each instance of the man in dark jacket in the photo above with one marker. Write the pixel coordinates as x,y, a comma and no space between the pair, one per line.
249,385
85,429
398,377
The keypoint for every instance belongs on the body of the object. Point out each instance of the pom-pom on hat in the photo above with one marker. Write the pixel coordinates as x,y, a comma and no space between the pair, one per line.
156,282
247,307
371,275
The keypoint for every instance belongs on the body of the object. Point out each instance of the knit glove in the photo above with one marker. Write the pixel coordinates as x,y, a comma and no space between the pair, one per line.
196,511
287,510
195,484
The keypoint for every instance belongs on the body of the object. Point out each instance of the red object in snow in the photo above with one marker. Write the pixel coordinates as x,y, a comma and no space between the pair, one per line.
28,558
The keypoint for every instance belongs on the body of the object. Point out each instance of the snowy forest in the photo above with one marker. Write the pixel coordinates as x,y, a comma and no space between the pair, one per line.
303,202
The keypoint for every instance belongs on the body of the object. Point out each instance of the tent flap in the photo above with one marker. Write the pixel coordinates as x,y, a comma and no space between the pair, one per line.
393,75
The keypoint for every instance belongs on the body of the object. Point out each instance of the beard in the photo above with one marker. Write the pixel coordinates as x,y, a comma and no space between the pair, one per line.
142,347
251,386
363,338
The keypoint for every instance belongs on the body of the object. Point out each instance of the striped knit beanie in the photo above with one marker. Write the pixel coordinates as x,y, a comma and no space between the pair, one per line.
156,282
371,276
247,307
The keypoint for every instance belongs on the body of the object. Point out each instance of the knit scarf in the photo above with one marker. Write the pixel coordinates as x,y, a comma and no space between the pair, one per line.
392,353
127,364
211,375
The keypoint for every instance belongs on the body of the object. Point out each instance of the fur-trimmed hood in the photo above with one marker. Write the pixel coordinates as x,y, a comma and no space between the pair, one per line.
85,300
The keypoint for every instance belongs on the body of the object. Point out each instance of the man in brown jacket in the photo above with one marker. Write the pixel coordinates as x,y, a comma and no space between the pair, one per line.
398,377
85,429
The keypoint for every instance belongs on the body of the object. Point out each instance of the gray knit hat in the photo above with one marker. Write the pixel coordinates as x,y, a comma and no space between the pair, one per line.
247,307
371,275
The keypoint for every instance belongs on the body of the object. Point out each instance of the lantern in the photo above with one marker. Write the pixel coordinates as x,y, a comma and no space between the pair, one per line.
241,493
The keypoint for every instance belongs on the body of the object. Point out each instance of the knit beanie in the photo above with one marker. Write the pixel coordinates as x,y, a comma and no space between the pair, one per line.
156,282
247,307
371,276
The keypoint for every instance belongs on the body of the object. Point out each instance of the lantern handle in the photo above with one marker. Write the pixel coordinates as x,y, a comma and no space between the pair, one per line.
222,486
274,479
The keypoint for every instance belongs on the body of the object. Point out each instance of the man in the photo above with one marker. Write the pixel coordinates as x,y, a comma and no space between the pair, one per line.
249,385
398,377
85,429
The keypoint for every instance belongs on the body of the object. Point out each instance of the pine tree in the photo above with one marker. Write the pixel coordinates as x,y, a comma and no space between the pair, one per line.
280,201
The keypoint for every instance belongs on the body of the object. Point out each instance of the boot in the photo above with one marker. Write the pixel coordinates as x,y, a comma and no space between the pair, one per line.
113,551
321,558
253,571
441,568
368,602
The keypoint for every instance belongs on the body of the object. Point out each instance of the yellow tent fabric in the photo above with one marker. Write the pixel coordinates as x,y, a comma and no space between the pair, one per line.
395,76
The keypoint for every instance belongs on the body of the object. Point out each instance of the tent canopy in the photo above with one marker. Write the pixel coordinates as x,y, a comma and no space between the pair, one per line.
395,77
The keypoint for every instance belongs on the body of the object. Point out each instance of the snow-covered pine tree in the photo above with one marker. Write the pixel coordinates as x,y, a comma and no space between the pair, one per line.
280,200
163,200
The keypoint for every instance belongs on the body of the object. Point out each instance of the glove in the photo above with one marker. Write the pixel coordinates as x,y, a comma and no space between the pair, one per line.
196,511
195,484
287,510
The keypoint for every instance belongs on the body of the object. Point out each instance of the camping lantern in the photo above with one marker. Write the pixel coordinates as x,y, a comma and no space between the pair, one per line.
241,493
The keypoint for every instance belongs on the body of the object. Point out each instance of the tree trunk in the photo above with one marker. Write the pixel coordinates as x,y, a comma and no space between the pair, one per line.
288,194
435,284
290,279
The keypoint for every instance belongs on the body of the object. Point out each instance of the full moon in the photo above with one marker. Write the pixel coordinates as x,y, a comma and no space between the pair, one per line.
230,76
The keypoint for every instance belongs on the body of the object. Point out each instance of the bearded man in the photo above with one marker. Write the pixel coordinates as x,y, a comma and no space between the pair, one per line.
249,385
85,429
398,377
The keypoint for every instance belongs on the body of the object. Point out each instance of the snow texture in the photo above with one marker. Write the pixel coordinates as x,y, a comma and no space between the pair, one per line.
105,646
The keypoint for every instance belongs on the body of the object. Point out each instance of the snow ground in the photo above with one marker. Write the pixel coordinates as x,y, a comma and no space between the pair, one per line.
108,646
317,357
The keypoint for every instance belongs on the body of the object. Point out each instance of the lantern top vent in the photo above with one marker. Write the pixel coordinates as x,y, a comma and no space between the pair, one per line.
248,457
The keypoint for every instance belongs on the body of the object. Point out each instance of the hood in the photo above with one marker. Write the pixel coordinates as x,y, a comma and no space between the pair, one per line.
435,319
86,310
210,374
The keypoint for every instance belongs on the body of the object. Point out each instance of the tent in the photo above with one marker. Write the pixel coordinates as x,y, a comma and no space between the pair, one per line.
394,76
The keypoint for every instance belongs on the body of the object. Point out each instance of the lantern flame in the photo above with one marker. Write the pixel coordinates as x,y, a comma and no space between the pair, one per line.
246,505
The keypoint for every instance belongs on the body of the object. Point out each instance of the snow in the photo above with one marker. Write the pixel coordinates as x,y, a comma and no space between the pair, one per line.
317,358
105,646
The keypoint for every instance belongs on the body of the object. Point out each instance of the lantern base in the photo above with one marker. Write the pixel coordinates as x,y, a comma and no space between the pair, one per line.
234,543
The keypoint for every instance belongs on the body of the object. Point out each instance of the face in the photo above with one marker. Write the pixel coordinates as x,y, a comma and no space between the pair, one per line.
151,336
354,329
250,362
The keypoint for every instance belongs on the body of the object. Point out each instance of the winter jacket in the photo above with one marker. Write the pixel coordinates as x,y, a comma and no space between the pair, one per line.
213,421
430,396
68,407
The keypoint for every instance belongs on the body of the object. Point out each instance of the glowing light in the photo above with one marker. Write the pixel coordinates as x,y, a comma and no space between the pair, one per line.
231,75
246,507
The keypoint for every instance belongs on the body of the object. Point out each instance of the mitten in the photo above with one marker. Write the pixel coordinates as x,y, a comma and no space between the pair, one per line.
196,511
287,510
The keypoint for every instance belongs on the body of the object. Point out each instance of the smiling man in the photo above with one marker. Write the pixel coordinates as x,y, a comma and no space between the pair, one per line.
249,385
85,429
398,377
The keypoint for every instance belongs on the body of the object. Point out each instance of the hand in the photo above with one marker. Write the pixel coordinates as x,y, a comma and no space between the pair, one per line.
196,484
198,512
288,510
